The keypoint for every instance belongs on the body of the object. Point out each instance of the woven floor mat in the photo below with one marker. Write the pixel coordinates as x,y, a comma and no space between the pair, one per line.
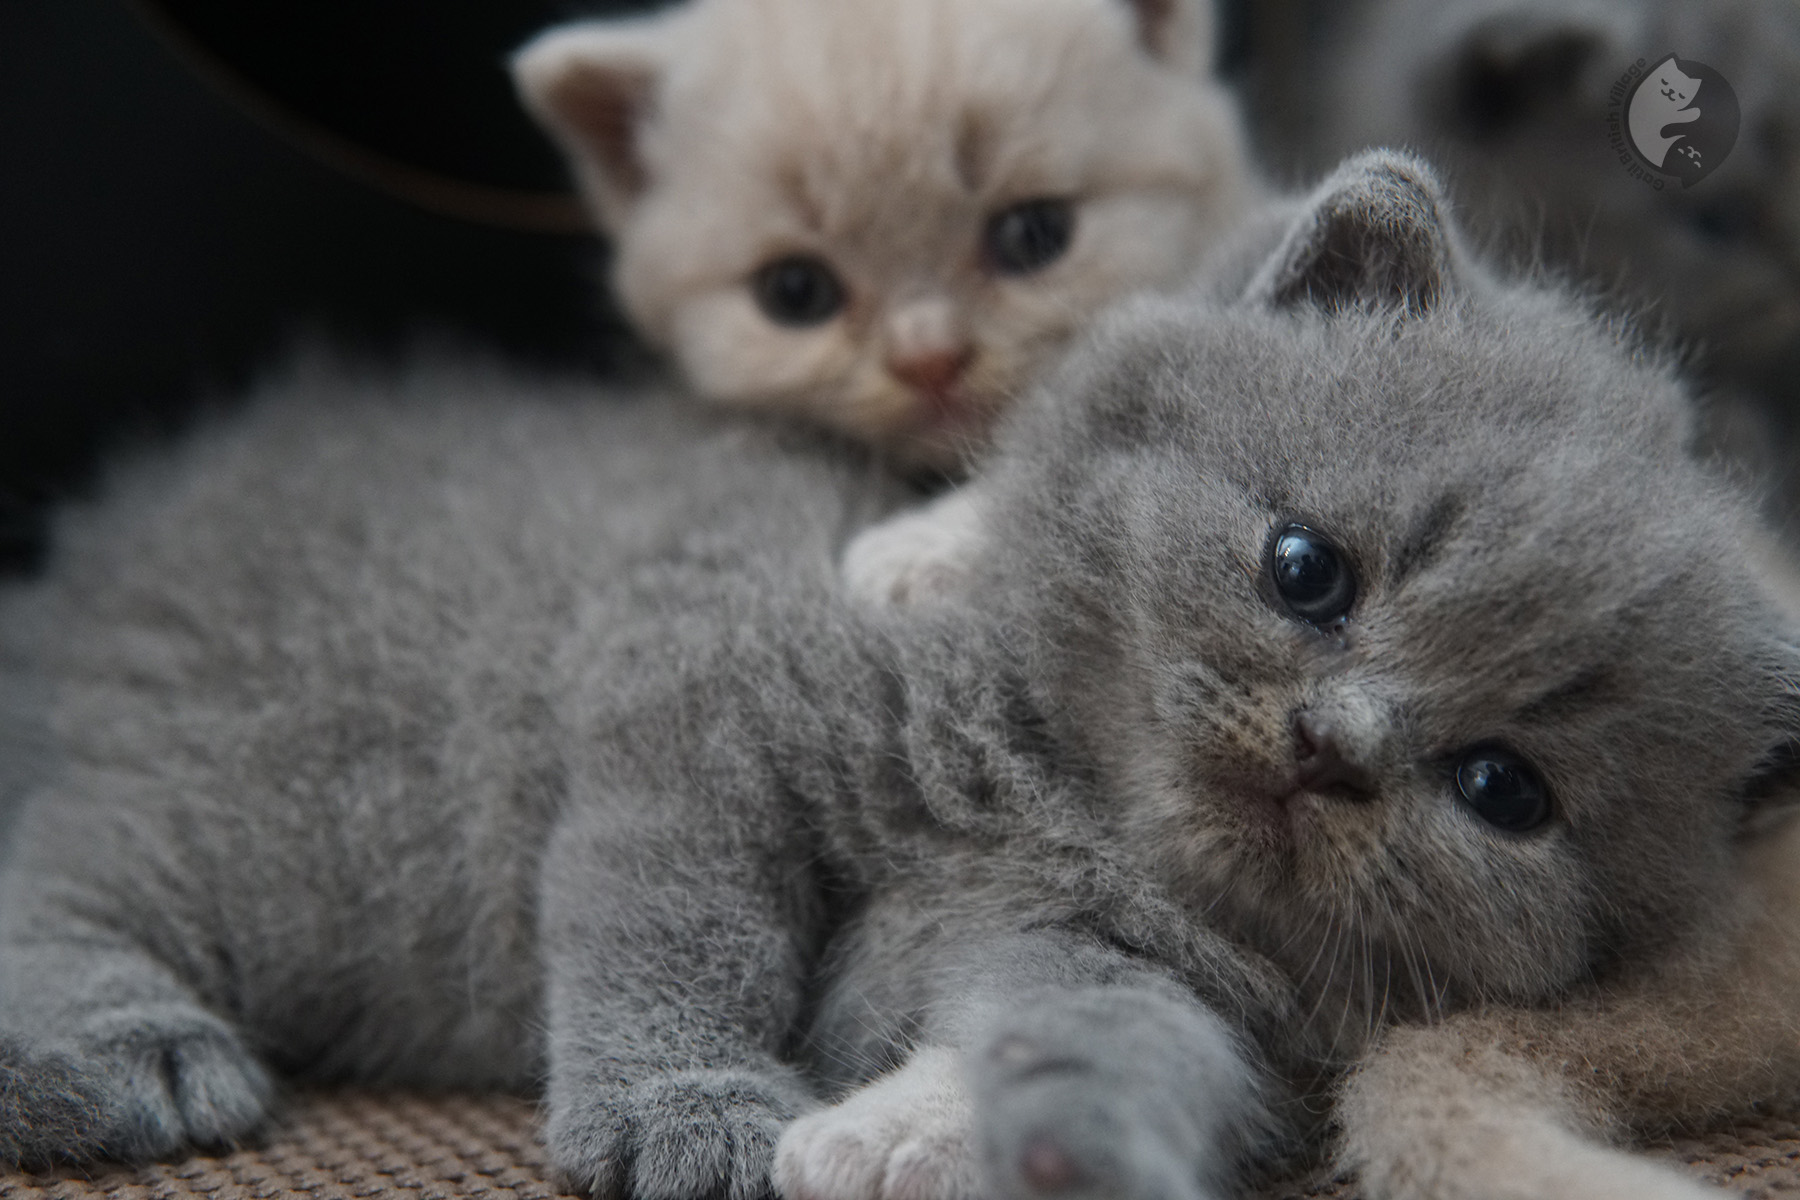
356,1146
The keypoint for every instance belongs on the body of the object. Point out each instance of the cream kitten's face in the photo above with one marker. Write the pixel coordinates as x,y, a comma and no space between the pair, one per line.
890,217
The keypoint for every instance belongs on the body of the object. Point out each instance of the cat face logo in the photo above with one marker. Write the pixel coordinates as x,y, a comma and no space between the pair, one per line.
1682,118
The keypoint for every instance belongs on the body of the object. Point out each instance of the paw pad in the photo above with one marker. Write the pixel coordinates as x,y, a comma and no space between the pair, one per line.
1047,1167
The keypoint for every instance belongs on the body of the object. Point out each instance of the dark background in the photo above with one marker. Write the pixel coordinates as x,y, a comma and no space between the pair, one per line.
157,242
189,187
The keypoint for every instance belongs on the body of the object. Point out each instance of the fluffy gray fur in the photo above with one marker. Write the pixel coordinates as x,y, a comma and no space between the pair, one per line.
457,731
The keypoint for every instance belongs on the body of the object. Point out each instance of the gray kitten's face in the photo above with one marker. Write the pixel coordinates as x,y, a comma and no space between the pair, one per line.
1419,650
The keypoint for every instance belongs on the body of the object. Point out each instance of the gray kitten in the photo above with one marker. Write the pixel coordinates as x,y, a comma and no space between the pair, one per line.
1356,644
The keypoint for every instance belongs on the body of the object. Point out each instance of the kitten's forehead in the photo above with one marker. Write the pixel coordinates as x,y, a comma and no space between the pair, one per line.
1360,406
1519,503
934,98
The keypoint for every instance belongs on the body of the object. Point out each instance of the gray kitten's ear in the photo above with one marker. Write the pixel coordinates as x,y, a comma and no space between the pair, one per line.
1373,235
1177,32
1508,68
591,86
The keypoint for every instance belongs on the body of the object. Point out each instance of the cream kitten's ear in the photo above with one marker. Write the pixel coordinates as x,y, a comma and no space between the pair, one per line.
592,86
1179,32
1374,235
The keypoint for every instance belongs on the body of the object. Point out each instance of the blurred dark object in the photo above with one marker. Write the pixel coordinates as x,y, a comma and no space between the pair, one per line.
1519,105
409,95
158,244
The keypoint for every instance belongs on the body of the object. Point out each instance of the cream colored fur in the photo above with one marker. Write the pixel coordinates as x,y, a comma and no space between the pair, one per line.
881,136
1512,1103
903,1137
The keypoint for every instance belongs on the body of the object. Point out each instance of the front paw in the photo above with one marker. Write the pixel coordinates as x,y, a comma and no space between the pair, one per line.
1054,1125
903,1137
152,1081
1101,1094
675,1136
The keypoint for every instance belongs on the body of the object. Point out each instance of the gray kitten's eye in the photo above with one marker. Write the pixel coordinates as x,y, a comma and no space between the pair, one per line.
1028,236
798,290
1503,789
1311,576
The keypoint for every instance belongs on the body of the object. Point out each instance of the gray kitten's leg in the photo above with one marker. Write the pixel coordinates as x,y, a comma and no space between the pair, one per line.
1116,1091
675,964
1050,1065
108,1054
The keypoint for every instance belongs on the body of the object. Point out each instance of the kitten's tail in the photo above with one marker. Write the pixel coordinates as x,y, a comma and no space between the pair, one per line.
50,1109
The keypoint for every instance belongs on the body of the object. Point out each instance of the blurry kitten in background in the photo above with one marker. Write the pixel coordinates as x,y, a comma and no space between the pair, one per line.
888,217
1511,99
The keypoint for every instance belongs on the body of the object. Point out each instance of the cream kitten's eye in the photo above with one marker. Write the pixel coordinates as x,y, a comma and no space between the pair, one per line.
1311,576
798,290
1503,789
1028,236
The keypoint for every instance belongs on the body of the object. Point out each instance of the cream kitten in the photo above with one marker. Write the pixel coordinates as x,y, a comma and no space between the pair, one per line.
887,216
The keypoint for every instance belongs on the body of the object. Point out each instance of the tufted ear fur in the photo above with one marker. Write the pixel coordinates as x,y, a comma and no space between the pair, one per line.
1373,235
592,85
1177,32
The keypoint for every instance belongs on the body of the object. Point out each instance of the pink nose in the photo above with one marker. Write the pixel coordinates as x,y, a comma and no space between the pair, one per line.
933,371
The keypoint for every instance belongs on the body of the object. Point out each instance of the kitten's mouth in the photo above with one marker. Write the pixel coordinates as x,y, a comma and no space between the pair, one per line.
1281,811
947,410
956,421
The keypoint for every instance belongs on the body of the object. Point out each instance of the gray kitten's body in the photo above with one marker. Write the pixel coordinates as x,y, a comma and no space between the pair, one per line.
470,737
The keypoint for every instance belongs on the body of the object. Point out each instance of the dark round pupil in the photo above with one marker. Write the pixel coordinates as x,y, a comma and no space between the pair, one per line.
1503,790
1311,577
798,291
1029,236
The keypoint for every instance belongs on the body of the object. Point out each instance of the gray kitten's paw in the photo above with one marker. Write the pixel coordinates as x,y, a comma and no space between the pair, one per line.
1107,1093
1053,1126
679,1136
161,1079
51,1108
905,1136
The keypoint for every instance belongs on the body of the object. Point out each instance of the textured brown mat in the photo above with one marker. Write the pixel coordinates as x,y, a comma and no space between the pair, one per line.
354,1146
339,1146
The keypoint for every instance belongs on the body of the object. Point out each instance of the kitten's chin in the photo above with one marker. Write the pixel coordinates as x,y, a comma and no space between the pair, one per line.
943,434
1260,839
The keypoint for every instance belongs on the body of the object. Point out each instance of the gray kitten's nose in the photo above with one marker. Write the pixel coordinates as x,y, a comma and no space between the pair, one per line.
1320,760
